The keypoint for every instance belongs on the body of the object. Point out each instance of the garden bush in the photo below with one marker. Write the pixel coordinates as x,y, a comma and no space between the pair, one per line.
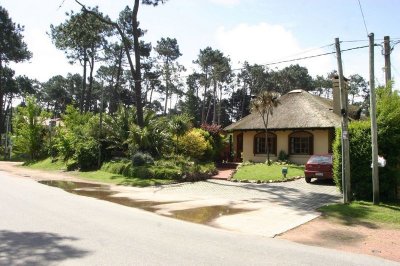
194,144
360,163
86,154
140,158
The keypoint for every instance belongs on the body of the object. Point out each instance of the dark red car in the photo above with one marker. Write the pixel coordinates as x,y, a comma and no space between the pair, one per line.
319,166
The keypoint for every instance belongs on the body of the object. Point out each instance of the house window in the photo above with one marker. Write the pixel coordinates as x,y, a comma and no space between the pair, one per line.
301,143
259,143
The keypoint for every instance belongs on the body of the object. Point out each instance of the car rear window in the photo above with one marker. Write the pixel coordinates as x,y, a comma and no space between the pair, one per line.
320,159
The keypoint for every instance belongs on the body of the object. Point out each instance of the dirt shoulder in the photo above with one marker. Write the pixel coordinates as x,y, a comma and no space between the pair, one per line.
365,238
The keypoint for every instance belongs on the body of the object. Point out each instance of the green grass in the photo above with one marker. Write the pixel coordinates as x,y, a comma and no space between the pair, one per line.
98,176
46,164
106,177
264,172
364,212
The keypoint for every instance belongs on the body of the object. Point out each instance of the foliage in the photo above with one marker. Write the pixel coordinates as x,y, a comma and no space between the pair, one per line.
293,77
30,130
194,144
12,46
12,49
264,104
168,51
265,172
47,164
361,211
140,159
153,137
116,131
283,156
360,162
179,169
76,142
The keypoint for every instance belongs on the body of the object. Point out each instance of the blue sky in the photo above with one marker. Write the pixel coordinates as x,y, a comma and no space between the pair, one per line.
259,31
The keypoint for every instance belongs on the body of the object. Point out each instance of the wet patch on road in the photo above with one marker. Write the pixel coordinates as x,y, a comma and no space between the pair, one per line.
201,215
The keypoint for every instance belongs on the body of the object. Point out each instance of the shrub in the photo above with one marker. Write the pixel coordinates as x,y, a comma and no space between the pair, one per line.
86,154
194,144
140,158
360,164
167,173
282,156
30,130
117,167
142,172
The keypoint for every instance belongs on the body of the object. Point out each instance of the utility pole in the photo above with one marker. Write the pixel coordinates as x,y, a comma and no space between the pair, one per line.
346,184
374,134
387,51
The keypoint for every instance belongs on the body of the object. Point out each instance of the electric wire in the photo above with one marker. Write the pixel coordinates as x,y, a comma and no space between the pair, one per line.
62,3
282,61
362,13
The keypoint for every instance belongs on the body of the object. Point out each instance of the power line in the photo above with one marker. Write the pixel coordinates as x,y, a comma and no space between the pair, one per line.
287,61
362,13
62,3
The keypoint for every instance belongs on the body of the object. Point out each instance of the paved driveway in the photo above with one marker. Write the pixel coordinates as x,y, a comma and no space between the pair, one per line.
272,208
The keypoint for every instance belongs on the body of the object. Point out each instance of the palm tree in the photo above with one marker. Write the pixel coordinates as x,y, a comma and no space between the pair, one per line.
264,104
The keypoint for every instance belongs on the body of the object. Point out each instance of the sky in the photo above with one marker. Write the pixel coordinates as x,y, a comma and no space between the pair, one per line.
257,31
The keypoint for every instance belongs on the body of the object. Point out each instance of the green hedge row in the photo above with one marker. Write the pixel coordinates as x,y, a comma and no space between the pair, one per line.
360,163
161,170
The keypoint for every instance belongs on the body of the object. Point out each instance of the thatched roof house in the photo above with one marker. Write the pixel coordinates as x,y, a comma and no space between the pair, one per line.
302,125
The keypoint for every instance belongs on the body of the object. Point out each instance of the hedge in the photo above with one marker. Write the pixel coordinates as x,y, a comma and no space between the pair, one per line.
360,163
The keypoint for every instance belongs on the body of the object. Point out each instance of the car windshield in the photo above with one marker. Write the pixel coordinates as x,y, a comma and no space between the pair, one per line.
320,159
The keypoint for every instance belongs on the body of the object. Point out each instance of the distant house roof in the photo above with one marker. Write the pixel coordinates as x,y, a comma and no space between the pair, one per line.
298,110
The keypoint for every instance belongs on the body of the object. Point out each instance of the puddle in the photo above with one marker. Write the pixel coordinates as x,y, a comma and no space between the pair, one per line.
205,215
202,215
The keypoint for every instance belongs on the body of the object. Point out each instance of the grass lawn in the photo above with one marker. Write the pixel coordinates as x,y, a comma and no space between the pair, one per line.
46,164
361,211
264,172
106,177
99,176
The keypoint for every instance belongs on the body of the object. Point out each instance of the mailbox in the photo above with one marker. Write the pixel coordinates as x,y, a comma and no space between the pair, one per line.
284,171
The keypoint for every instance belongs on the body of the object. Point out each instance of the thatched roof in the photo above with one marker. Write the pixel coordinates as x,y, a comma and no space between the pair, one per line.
298,110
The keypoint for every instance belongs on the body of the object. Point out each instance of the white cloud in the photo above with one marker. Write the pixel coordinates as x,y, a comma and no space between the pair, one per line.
46,61
265,43
228,3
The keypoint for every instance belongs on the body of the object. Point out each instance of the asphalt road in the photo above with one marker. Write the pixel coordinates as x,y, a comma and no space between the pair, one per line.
41,225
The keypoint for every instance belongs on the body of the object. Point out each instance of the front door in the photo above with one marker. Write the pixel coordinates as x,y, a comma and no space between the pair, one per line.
239,147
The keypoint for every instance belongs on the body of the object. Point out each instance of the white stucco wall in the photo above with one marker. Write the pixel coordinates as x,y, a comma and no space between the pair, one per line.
321,146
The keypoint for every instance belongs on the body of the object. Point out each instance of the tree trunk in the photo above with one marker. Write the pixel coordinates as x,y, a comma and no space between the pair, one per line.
115,96
203,107
208,111
135,71
214,120
1,97
83,92
167,77
88,103
243,101
219,105
137,74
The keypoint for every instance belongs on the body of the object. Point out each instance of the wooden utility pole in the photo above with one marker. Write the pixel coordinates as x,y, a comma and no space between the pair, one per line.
387,51
346,184
374,134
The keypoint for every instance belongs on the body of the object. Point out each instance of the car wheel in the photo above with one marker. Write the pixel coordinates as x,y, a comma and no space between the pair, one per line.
308,179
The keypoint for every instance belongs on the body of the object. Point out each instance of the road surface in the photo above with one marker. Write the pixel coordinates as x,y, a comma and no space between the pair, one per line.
42,225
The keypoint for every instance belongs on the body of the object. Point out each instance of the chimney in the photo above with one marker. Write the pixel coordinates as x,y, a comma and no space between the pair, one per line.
336,94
